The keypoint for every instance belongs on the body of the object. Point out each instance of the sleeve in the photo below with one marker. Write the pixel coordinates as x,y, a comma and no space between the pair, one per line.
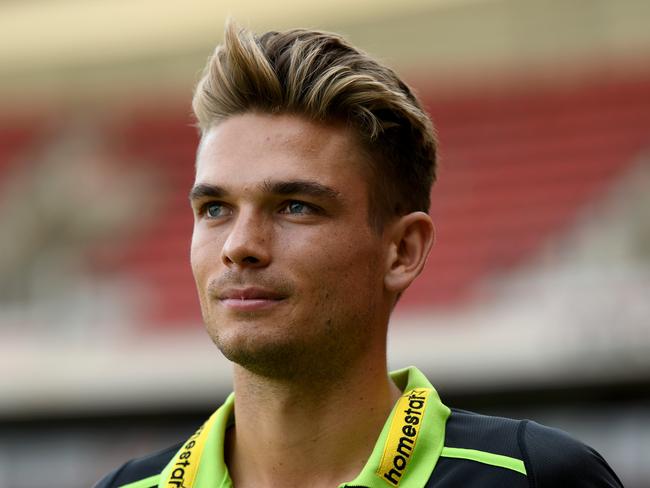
555,459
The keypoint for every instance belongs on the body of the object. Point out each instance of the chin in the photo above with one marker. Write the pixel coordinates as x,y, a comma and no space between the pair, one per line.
272,359
299,348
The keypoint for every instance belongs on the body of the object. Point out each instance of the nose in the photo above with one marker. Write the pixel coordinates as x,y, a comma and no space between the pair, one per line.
248,242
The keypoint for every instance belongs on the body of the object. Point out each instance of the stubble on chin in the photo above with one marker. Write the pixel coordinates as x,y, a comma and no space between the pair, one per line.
293,346
292,355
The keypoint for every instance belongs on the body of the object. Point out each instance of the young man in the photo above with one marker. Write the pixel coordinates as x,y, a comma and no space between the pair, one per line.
310,200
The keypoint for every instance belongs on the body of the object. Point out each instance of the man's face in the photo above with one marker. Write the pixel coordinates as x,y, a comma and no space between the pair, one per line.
288,270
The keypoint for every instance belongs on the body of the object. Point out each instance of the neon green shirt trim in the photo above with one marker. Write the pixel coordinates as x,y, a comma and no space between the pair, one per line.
427,449
143,483
485,458
213,472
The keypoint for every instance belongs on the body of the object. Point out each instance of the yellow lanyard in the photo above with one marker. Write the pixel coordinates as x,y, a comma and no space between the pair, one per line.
186,462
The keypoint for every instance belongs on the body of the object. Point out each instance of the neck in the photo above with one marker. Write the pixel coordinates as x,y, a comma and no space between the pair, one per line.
310,433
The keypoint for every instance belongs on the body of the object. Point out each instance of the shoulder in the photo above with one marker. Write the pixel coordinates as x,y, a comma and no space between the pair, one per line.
555,458
139,469
505,452
479,450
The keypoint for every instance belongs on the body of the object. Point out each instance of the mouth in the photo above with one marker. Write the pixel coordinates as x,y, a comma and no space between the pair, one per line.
249,299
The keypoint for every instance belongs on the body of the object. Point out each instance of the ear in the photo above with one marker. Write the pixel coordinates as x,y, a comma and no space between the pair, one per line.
411,239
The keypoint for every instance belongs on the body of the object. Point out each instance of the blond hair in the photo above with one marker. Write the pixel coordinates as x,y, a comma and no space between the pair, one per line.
322,77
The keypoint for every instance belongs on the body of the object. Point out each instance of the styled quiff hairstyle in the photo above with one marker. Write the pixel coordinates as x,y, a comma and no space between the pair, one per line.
320,76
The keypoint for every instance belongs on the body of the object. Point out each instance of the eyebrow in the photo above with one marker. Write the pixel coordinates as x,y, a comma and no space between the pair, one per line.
291,187
204,190
300,187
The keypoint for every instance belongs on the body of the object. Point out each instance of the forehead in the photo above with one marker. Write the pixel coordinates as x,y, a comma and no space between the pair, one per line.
248,148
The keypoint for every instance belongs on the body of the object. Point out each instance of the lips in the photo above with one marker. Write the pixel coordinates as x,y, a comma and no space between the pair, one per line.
251,293
249,299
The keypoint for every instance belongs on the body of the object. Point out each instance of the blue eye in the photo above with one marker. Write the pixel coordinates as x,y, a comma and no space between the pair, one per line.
296,207
214,209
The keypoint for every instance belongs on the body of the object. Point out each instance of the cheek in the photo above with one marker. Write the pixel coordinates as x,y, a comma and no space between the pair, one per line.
204,257
340,263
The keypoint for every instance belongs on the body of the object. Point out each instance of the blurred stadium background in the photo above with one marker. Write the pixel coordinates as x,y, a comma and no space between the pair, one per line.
535,302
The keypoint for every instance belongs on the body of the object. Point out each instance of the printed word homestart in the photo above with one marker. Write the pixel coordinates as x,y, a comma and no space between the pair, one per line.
403,435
